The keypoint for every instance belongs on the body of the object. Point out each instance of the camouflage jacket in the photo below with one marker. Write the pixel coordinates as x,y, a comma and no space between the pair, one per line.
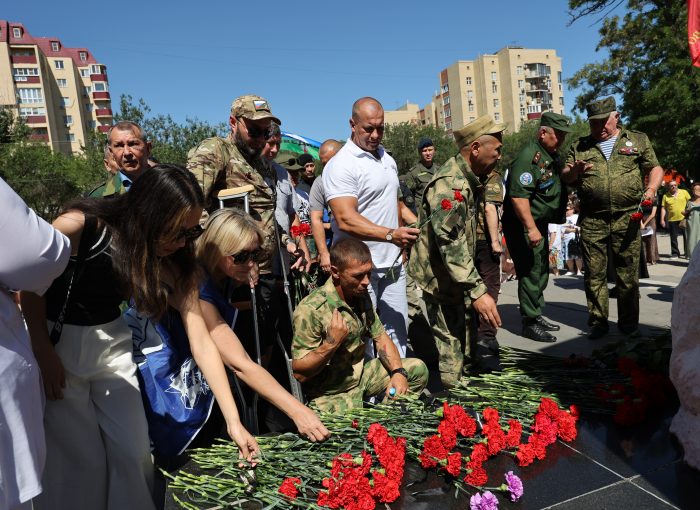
492,193
614,185
311,318
416,179
110,188
218,164
442,260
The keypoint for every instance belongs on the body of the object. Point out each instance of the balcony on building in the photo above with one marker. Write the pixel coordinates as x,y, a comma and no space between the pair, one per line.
98,77
27,79
39,137
35,119
101,95
23,59
103,112
103,128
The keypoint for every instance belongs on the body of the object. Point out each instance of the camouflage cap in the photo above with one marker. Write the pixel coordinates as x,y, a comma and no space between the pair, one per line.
289,161
252,107
483,125
555,121
601,108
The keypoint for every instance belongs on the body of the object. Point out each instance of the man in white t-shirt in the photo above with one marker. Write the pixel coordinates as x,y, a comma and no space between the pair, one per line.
362,188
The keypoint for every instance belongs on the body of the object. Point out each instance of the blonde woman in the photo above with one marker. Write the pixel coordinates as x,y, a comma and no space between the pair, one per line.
228,252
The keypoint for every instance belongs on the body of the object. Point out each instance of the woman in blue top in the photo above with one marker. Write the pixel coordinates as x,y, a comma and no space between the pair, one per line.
228,252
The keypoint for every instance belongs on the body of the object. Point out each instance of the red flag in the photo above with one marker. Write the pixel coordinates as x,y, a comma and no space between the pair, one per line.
694,31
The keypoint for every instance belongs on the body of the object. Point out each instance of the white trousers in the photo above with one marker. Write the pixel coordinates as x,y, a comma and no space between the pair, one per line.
97,442
388,293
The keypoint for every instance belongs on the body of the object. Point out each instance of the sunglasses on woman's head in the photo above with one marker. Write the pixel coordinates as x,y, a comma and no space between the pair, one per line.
244,256
190,234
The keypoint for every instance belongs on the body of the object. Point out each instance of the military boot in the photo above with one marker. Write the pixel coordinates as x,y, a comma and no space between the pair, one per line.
546,325
534,331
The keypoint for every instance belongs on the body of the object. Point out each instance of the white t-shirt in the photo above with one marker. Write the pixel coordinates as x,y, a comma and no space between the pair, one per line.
374,182
556,230
570,222
32,255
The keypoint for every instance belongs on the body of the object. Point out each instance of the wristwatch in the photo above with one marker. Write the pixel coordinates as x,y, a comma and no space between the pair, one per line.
389,235
401,371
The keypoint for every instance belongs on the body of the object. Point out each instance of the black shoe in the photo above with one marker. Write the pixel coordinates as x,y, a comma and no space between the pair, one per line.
629,330
597,331
537,333
546,325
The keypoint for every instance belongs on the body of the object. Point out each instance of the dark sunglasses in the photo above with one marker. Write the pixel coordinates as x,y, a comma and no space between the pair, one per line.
190,234
256,132
244,256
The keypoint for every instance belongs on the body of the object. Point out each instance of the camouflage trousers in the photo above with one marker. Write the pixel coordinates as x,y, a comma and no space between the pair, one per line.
373,381
622,235
452,330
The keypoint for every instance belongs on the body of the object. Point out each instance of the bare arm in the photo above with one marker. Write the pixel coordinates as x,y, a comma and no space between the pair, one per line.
389,355
352,222
491,218
314,361
406,214
663,217
521,206
235,356
656,176
571,171
319,232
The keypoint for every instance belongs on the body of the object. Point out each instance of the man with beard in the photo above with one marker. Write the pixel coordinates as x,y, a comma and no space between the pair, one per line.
442,261
332,326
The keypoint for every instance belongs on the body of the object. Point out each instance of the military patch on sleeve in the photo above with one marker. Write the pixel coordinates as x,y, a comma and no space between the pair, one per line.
525,178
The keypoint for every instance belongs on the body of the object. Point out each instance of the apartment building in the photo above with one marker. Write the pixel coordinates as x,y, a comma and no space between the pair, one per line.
512,85
61,93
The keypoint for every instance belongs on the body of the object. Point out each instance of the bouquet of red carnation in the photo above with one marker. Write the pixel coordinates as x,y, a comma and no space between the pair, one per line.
637,215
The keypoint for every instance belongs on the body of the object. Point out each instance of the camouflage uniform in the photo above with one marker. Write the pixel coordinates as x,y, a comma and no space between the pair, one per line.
347,379
609,193
442,263
218,164
416,179
110,188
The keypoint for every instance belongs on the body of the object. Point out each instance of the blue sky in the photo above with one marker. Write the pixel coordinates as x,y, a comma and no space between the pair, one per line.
311,60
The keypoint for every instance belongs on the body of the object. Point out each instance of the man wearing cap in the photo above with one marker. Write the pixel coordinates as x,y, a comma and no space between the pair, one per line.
442,261
607,168
362,188
308,172
420,175
534,199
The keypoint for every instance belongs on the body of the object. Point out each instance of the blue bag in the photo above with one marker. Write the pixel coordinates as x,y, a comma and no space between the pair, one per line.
176,397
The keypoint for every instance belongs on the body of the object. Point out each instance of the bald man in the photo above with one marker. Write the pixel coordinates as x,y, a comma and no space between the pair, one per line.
320,215
362,188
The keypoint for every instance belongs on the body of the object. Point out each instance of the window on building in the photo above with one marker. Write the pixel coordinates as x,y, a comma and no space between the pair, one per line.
471,119
559,76
65,101
91,124
59,64
470,94
519,70
25,71
559,86
87,90
495,103
62,83
494,88
85,73
448,125
494,76
68,119
445,88
522,111
448,112
26,112
70,137
561,101
89,107
496,116
95,69
30,96
446,100
55,46
470,107
469,80
83,56
16,32
521,84
522,98
100,86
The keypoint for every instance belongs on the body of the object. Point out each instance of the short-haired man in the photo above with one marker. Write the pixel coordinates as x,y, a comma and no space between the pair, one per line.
607,167
672,206
420,175
332,326
362,189
130,150
534,199
442,261
320,215
307,175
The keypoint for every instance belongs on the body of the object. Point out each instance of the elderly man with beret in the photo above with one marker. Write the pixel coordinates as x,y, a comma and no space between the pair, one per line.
608,168
534,199
442,261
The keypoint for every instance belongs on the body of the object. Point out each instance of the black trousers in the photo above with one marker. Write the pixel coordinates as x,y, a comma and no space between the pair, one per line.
674,230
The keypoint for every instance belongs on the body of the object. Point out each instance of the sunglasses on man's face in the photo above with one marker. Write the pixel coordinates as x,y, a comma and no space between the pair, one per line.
190,234
244,256
256,132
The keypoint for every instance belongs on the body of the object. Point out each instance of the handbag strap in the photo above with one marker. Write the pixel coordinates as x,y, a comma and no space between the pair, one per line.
86,238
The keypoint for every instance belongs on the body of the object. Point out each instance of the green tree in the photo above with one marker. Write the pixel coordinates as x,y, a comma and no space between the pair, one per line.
649,68
402,141
171,141
12,127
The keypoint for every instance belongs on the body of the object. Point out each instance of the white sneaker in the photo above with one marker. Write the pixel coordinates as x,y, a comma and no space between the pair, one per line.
569,273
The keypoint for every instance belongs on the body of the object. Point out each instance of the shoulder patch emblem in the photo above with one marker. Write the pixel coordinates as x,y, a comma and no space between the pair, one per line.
526,178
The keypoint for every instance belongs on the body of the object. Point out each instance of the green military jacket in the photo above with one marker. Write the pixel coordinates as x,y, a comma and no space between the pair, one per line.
614,185
311,318
218,164
109,188
416,179
535,175
442,260
491,193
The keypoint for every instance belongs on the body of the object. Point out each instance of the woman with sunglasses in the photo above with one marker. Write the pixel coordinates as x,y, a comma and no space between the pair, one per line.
228,251
138,245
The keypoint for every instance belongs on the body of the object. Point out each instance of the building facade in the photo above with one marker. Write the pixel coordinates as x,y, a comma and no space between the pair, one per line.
61,93
513,85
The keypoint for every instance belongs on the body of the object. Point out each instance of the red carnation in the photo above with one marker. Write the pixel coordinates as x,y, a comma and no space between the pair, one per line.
295,231
525,455
477,475
433,451
463,423
458,196
288,487
490,415
355,423
386,489
479,453
448,434
515,430
454,463
446,204
549,407
636,217
646,203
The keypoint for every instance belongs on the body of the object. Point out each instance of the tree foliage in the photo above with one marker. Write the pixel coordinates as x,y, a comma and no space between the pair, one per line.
648,67
170,140
402,141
